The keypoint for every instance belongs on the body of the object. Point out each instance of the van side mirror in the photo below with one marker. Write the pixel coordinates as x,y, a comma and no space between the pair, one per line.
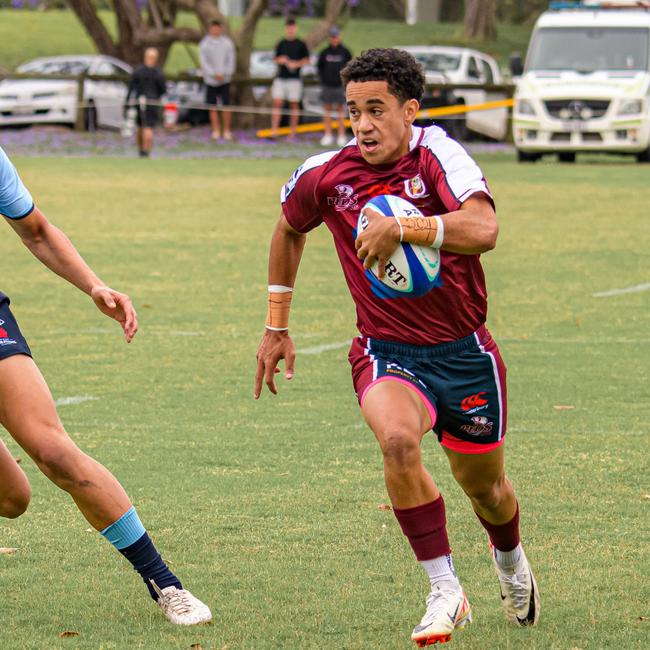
516,65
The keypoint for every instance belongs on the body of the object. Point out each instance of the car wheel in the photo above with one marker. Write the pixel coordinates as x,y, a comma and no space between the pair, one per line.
567,157
644,156
524,157
90,118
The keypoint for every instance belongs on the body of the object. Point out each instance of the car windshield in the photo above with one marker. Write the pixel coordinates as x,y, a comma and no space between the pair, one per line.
69,66
438,61
585,50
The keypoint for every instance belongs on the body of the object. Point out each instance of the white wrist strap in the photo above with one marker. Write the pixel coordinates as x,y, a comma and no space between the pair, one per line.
440,233
401,230
279,288
276,329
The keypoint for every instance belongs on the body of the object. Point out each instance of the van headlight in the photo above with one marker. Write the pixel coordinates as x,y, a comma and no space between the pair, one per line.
525,107
630,107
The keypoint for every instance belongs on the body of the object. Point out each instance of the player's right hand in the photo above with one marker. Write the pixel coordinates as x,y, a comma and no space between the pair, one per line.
273,347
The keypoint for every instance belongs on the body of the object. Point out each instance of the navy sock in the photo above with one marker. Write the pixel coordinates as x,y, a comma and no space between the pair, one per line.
147,562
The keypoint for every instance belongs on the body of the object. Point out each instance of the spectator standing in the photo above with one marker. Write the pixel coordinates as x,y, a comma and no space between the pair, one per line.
146,86
217,56
330,63
291,54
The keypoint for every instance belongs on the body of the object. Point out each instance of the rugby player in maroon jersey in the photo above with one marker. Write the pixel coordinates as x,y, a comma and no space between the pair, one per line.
419,364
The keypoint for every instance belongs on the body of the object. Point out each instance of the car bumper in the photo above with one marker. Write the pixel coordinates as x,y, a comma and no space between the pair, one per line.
615,136
57,111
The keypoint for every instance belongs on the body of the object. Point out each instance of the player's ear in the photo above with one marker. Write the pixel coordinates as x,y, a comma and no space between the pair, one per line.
411,108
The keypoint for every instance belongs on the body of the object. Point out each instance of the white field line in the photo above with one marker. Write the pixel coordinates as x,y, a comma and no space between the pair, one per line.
619,292
75,399
324,347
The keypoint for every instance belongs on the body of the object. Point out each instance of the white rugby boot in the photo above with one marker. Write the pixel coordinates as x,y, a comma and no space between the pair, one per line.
519,594
447,610
327,140
180,607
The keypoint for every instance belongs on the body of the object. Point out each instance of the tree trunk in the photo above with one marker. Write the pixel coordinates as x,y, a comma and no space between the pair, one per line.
480,20
95,28
333,11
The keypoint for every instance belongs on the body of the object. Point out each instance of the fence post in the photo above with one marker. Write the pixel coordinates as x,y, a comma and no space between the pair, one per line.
80,121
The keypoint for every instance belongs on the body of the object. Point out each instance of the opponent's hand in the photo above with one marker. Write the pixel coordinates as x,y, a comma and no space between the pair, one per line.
118,306
378,241
273,347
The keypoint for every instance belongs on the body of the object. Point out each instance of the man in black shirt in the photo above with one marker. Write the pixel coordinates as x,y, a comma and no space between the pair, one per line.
330,63
146,86
291,54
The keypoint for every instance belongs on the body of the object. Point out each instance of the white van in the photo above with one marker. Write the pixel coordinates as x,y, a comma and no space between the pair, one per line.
586,82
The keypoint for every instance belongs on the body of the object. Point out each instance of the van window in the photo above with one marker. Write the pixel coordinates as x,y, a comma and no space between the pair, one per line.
586,49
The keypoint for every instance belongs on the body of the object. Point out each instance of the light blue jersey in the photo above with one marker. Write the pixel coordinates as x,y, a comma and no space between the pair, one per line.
15,201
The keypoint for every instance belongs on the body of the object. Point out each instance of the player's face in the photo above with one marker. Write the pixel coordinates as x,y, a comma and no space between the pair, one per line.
380,122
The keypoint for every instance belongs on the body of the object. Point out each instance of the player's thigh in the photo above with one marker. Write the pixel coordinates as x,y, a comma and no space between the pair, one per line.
477,473
396,413
27,409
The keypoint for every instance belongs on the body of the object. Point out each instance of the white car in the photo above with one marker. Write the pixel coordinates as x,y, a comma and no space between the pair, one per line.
462,65
54,101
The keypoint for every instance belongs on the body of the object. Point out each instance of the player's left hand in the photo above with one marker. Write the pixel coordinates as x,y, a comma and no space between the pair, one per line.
378,241
118,306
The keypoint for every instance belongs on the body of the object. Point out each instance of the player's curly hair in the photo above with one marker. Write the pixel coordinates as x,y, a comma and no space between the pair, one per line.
402,73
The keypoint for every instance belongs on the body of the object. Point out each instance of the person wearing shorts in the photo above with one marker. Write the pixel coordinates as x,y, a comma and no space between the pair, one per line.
330,63
146,86
217,56
423,363
291,54
28,413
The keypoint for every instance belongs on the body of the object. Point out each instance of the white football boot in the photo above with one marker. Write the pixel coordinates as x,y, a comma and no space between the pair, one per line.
180,607
342,140
327,140
447,610
519,594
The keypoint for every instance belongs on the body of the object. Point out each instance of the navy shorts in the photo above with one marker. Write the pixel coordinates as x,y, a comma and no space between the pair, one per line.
218,95
462,385
11,340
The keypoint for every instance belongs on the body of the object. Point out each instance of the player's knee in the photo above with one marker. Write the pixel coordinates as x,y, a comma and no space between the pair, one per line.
15,504
400,450
488,495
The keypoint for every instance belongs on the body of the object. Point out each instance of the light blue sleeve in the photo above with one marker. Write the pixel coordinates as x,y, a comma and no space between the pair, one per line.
15,201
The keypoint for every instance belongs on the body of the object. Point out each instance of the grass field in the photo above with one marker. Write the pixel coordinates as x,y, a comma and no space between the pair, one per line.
27,34
269,511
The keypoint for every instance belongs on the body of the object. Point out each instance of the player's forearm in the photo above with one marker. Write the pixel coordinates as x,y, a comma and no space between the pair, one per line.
284,257
51,246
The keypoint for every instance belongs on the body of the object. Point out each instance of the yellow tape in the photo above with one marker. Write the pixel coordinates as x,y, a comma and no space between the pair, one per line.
456,109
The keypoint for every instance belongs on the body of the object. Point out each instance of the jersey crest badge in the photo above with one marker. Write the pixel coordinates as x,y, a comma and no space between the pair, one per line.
415,187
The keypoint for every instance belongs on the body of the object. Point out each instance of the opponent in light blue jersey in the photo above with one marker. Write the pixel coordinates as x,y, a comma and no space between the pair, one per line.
28,413
15,201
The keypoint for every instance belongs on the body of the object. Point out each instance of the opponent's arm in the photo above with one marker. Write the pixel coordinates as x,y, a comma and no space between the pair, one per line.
49,245
286,250
471,230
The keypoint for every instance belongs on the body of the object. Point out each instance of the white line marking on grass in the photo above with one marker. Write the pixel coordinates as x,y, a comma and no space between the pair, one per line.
75,399
619,292
181,333
325,347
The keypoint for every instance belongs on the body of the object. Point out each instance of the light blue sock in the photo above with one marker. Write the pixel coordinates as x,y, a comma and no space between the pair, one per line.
127,530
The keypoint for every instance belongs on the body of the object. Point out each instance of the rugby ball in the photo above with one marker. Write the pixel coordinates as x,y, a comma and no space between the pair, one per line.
411,270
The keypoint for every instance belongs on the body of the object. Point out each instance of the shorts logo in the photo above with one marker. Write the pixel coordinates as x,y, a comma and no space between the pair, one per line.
346,199
399,371
481,426
415,187
474,403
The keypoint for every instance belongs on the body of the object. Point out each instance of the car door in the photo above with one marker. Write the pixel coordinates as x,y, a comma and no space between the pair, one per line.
107,95
493,123
474,75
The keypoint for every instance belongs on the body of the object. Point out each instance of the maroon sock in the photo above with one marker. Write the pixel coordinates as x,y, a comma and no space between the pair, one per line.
504,537
425,528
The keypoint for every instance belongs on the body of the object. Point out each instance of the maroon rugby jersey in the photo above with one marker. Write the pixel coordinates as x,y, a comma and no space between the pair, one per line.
437,175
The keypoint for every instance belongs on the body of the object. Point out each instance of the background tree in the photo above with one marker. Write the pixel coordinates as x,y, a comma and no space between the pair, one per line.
480,20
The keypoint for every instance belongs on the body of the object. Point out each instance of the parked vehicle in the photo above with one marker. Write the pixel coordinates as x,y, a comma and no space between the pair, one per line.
461,65
586,82
38,101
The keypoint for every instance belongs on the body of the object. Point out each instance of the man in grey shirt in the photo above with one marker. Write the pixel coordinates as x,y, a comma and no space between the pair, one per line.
217,56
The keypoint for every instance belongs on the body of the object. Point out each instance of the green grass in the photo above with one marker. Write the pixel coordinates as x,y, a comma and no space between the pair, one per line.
269,510
25,35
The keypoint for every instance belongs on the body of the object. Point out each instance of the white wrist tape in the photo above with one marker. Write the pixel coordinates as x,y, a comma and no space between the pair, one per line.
440,232
401,230
279,288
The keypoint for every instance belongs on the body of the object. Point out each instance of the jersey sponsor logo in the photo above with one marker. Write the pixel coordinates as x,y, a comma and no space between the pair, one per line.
474,403
4,336
345,200
291,183
415,187
480,426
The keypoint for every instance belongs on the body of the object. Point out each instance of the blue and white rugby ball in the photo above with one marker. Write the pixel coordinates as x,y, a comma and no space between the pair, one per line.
411,270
